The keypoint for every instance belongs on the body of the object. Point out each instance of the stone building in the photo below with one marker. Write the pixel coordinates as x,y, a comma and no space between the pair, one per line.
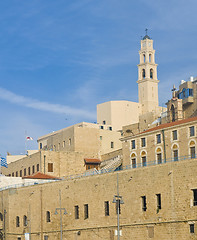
152,184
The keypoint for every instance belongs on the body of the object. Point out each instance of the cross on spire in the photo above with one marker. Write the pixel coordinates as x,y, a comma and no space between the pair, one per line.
173,91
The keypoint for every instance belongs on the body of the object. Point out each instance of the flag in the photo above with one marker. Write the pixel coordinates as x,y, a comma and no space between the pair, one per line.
3,162
29,138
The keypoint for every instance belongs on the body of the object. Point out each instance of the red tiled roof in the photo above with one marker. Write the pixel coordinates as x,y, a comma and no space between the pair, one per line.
41,176
165,125
92,160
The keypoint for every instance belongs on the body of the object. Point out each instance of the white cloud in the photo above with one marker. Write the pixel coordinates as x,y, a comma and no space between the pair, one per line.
43,106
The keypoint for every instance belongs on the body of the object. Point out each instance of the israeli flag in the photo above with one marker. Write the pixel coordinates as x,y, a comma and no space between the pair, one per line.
3,162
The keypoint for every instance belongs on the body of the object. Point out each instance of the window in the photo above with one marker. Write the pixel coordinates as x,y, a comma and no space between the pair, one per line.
143,142
86,213
159,158
158,136
151,73
33,169
110,128
46,237
101,127
40,145
133,144
63,145
37,167
143,73
133,162
192,152
24,220
104,122
175,155
58,146
18,238
194,197
77,212
106,208
191,228
144,161
144,203
17,221
50,167
69,141
101,137
48,216
20,173
13,174
158,202
173,113
174,135
191,131
112,144
25,172
29,171
16,173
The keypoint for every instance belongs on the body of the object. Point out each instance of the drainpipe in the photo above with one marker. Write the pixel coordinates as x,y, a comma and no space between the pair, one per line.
164,145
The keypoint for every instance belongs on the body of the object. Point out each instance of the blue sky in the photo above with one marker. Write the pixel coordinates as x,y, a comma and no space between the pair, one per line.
59,59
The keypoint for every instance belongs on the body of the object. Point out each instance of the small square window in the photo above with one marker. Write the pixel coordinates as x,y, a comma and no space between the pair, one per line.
110,128
192,131
143,142
112,144
101,127
46,237
101,137
104,122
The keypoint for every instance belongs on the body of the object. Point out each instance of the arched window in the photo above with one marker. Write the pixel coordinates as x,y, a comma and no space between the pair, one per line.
150,57
133,160
159,155
175,152
48,216
143,156
151,73
143,73
173,113
25,220
144,57
192,149
17,221
1,217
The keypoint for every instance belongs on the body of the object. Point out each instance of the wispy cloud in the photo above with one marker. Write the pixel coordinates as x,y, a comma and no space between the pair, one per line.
43,106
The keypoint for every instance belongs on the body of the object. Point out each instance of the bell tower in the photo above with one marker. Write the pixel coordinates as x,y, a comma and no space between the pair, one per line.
147,76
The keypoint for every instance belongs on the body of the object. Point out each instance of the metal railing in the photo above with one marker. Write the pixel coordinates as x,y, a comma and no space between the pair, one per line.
104,171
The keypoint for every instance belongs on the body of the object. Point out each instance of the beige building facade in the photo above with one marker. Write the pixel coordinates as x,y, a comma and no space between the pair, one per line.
159,203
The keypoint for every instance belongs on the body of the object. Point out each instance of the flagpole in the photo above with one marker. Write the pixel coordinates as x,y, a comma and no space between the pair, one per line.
25,142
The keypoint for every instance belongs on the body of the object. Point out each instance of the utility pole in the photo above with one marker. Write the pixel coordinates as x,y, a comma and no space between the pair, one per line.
60,209
4,218
118,200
